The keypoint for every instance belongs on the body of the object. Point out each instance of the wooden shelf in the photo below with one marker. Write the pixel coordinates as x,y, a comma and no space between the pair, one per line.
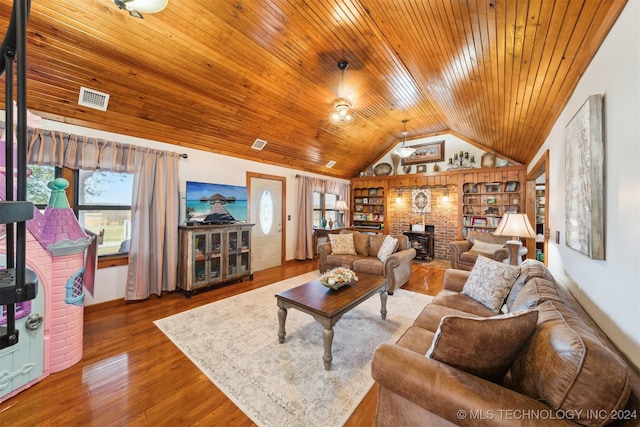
487,196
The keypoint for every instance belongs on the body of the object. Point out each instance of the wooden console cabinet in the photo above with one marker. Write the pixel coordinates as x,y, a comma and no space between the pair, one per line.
213,255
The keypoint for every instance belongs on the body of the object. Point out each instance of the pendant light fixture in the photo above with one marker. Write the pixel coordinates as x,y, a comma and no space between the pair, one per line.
404,151
136,7
342,112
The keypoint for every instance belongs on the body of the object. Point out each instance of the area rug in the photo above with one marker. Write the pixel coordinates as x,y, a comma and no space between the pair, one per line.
234,342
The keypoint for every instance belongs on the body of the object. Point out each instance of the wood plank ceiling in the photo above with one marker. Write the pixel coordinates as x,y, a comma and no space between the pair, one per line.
215,75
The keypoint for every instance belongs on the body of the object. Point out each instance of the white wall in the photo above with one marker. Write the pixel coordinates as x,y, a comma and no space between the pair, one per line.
452,145
201,166
610,289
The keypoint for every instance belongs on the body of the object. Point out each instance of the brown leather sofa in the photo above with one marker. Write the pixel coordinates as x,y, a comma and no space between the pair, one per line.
566,373
396,268
464,258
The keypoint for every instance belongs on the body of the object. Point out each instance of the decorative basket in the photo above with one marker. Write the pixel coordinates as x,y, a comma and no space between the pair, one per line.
338,277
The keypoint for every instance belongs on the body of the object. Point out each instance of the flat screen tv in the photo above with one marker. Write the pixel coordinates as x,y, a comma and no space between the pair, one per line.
215,203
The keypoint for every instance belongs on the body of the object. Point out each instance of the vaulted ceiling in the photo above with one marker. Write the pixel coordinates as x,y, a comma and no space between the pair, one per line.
215,75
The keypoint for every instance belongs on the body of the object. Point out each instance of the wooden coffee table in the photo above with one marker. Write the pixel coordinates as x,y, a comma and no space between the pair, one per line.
327,306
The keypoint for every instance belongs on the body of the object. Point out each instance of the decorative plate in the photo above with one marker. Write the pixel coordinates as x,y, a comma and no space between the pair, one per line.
406,169
382,169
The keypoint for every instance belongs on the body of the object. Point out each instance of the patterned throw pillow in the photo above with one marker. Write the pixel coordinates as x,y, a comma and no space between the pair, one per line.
485,347
490,282
388,247
342,244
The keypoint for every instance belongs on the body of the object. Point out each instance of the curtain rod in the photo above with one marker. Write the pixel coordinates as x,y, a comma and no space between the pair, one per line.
184,156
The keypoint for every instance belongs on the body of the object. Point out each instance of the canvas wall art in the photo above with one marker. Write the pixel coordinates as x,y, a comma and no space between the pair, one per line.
584,179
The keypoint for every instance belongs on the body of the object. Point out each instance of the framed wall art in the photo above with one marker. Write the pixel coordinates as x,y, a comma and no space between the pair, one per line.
426,153
421,201
584,180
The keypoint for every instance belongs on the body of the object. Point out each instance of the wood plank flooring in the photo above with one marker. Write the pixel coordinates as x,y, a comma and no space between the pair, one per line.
132,375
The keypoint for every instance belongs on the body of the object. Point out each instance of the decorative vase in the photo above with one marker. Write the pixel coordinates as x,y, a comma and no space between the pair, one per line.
330,223
324,222
395,159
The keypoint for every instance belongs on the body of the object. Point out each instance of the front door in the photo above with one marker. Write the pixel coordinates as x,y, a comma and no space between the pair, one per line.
266,212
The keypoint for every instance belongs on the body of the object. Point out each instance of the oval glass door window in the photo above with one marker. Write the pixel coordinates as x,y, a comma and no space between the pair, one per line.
266,211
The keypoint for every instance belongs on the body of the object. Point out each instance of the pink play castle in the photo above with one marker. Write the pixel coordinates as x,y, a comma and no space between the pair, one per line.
51,325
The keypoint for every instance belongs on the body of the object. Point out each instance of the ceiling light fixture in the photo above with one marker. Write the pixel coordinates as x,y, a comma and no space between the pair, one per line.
136,7
342,107
403,151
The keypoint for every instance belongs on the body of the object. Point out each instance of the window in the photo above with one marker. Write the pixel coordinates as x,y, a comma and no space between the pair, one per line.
266,211
104,203
101,201
324,206
37,190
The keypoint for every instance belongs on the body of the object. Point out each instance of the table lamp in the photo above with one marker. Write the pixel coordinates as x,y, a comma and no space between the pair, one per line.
341,206
516,225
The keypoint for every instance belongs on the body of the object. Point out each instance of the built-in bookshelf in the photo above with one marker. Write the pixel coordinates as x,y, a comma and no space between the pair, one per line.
369,208
540,221
487,196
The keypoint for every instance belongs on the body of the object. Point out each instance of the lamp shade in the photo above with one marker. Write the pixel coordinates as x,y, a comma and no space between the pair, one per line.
342,112
341,205
405,152
516,225
146,6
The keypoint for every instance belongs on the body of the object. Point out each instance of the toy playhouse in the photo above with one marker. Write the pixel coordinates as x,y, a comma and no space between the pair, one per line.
49,326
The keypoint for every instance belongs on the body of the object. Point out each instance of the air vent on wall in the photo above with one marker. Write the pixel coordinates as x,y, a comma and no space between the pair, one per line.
330,164
93,99
259,144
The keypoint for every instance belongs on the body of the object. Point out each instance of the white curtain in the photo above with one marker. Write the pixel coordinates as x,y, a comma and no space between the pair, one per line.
153,252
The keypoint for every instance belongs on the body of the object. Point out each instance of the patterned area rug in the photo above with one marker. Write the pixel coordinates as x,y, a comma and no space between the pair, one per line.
235,343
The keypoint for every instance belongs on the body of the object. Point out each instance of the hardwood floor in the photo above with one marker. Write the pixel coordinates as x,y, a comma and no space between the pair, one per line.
132,375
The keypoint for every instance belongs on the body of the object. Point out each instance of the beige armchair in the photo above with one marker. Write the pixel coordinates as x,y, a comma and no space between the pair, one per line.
465,252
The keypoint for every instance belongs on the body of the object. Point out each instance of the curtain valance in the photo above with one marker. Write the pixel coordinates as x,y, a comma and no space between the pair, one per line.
55,148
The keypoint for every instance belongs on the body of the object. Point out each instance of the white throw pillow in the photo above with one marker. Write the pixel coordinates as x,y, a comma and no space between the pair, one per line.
388,247
484,247
490,282
342,244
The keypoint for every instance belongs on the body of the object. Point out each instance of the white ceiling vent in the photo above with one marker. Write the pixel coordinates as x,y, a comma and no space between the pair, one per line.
330,164
93,99
259,144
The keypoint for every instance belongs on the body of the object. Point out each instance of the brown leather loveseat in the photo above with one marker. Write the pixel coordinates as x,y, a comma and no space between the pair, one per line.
363,257
563,371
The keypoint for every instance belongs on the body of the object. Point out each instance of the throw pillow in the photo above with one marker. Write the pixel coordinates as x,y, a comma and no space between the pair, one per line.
490,282
485,347
388,247
484,247
342,244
